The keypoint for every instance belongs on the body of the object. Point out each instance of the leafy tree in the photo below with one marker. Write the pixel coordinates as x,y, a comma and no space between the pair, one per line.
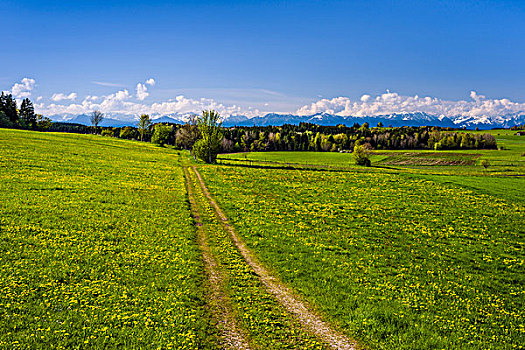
27,114
96,118
209,145
4,120
161,134
144,125
360,155
108,132
379,125
490,141
317,142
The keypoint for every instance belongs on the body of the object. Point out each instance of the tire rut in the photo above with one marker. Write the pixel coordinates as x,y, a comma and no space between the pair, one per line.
310,321
231,334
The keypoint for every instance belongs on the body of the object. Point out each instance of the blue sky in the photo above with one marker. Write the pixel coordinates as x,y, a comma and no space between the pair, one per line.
277,56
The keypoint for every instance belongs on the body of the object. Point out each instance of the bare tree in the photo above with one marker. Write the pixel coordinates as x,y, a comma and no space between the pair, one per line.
188,134
96,118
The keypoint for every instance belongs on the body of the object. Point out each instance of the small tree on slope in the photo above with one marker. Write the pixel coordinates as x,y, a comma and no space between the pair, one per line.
209,145
96,118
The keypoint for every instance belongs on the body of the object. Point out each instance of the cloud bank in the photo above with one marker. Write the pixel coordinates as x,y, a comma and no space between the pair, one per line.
391,102
122,103
126,105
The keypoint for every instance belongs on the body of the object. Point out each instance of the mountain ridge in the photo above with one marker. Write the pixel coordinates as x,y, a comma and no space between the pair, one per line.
277,119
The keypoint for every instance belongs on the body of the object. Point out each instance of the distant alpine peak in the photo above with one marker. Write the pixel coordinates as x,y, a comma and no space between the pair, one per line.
322,118
394,119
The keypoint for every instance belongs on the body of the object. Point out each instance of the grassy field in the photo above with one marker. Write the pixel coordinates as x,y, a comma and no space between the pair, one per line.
397,262
423,250
504,178
98,247
507,161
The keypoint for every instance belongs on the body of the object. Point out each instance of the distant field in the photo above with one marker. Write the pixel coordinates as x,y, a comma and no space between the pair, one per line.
504,187
309,158
428,158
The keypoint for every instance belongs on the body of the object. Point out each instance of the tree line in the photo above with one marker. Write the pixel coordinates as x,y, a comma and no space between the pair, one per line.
313,137
305,137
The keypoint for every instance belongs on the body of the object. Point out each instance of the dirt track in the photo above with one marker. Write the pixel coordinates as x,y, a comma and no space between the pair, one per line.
310,320
231,335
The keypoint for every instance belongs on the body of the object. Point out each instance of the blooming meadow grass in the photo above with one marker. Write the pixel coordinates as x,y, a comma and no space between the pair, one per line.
397,262
263,319
97,246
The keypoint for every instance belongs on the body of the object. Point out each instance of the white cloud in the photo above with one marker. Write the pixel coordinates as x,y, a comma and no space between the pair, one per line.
104,83
391,102
121,103
365,98
60,97
23,89
142,91
118,96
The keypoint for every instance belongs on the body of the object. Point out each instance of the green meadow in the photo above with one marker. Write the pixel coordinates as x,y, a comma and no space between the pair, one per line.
98,247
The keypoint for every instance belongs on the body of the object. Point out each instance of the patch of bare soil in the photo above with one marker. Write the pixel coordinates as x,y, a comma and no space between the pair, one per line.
430,159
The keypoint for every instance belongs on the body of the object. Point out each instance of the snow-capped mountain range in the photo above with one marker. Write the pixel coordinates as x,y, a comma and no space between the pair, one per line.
395,119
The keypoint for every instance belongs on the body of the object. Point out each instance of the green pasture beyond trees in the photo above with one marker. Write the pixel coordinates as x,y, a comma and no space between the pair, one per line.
503,178
97,244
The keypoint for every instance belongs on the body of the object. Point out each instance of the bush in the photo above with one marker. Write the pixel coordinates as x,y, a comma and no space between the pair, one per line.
128,133
485,163
360,156
161,134
203,152
108,132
